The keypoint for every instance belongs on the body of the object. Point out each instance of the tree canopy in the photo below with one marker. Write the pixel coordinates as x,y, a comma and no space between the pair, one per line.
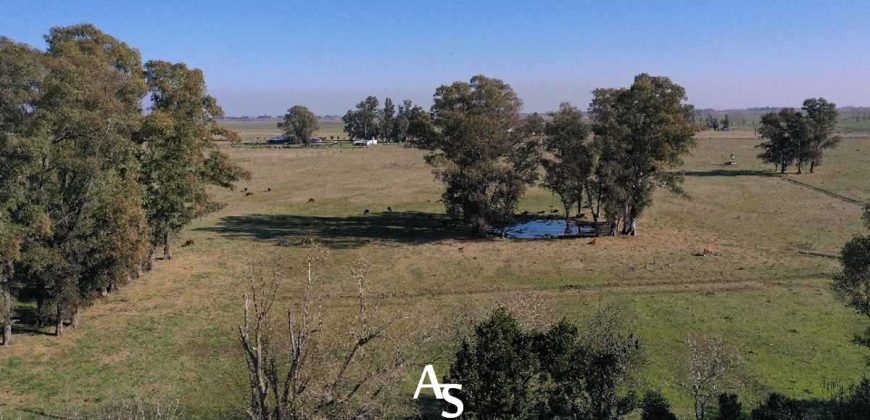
480,148
300,123
795,137
90,184
640,133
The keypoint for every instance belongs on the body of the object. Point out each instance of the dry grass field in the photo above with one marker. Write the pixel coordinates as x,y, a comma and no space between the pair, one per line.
260,130
170,336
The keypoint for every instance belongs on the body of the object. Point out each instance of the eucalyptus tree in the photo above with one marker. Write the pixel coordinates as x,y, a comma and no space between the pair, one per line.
22,72
480,149
853,281
642,131
786,135
88,108
364,121
569,162
179,155
388,120
821,117
300,123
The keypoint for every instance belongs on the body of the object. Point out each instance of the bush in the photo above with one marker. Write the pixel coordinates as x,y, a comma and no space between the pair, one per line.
656,407
779,407
730,407
506,372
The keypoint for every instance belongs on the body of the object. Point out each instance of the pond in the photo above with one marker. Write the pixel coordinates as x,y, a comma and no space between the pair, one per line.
547,229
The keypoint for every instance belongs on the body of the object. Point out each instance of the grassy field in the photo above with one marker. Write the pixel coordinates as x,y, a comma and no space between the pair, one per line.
171,334
263,129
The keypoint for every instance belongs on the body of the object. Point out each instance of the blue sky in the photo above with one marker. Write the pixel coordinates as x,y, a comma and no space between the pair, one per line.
264,56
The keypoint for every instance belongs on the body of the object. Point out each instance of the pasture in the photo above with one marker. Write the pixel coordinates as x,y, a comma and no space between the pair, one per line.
171,335
260,130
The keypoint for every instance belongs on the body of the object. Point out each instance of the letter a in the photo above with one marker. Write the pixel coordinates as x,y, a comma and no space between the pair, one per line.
433,382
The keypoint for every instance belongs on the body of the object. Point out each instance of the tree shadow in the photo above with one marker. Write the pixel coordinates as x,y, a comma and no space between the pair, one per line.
409,228
730,172
26,322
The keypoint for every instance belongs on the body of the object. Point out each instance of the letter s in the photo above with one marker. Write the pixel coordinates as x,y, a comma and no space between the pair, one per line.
452,400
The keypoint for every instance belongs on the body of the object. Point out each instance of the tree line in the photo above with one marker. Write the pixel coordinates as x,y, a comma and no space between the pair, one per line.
590,371
368,121
91,185
487,154
799,137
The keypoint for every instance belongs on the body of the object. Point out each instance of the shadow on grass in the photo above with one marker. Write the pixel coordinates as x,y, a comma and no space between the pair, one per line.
27,320
409,228
727,172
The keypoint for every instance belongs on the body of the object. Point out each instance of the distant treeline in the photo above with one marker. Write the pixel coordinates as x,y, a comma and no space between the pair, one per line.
851,119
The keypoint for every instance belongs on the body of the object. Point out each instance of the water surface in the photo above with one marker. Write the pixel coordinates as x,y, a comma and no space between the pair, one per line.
547,228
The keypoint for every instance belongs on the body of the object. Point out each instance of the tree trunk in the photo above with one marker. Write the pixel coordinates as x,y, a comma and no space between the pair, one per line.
7,334
812,165
6,310
167,251
40,310
625,219
799,167
148,264
76,319
567,218
59,325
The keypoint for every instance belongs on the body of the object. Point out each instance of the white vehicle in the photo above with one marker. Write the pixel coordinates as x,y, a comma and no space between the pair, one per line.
361,142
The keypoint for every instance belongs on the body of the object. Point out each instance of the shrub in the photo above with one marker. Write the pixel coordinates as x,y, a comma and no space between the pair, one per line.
656,407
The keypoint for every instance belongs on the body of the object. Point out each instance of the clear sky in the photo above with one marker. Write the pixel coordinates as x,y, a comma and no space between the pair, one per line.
264,56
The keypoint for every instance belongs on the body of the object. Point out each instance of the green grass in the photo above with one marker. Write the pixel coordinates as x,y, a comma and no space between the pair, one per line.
171,334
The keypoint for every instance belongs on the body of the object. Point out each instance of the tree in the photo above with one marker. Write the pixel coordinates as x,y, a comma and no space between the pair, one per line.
821,117
496,369
89,106
179,156
388,120
564,372
480,150
570,162
22,72
656,407
780,147
709,362
288,377
364,122
779,407
300,123
645,130
730,407
403,120
81,167
853,281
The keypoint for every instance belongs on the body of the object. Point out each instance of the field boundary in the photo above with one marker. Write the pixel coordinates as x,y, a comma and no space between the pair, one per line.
824,191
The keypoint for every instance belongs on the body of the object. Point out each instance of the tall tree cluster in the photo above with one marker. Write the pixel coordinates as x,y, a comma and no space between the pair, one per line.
565,371
367,120
487,154
299,123
798,137
90,185
482,149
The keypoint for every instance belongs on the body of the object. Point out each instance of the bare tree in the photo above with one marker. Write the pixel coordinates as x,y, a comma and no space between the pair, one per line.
292,377
708,364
